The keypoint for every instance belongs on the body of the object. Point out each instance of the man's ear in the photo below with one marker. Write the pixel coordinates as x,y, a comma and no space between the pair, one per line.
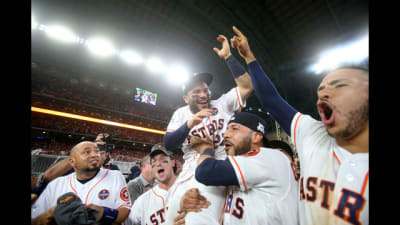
257,137
186,99
173,162
71,162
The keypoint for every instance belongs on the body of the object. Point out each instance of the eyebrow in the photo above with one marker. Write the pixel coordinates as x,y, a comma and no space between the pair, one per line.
333,82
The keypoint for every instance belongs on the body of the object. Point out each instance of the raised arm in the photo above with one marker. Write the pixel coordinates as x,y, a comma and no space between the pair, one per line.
211,171
242,78
174,139
266,93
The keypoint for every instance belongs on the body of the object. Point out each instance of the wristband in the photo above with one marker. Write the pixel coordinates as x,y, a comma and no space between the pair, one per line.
236,68
109,215
209,152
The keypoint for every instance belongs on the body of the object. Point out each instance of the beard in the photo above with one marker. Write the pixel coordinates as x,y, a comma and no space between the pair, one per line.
357,120
89,169
194,108
244,145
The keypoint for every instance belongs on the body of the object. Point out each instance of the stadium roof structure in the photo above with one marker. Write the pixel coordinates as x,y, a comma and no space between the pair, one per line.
285,36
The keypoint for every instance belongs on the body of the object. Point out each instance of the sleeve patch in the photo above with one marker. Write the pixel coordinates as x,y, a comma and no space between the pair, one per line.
124,194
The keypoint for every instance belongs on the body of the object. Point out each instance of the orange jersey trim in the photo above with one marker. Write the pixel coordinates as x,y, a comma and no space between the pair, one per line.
295,128
337,158
87,196
252,153
70,184
241,174
237,95
163,202
365,183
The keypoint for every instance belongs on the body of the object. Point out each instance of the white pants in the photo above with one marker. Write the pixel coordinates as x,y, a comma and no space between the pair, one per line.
210,216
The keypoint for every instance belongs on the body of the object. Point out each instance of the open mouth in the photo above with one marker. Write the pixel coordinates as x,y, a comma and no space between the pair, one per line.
202,102
160,171
227,144
326,113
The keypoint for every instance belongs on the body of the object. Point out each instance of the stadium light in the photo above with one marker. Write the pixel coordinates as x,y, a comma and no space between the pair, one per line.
155,65
95,120
131,57
34,24
353,52
177,75
62,33
100,47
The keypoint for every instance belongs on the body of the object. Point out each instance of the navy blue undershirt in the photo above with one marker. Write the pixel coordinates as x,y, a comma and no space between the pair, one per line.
216,173
174,140
270,98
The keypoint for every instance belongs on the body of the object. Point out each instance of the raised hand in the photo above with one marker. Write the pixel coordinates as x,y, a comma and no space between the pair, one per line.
198,117
239,41
201,144
192,201
225,51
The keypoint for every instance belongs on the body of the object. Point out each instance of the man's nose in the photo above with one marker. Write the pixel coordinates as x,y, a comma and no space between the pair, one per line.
325,94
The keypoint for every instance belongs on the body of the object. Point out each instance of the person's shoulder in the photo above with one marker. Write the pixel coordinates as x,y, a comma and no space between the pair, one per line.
134,181
61,180
182,109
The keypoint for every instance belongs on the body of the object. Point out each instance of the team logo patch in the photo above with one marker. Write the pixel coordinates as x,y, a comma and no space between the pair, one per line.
124,194
103,194
214,111
260,127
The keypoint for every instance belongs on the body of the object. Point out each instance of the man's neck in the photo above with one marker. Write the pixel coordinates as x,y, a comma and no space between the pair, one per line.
357,144
85,175
148,179
168,184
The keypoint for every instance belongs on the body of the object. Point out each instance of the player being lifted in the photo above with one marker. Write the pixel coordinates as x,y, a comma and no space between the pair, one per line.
203,117
333,152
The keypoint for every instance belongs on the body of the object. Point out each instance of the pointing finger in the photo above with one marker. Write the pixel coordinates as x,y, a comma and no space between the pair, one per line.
216,50
237,31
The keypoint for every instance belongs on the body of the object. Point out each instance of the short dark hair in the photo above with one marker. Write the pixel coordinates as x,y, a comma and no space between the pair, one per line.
349,66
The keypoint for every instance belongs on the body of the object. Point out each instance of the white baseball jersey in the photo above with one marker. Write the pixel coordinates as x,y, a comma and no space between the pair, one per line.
214,127
107,188
333,181
149,208
268,190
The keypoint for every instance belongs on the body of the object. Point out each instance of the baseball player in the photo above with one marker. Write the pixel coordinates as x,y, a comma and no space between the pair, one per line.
203,117
333,152
100,189
150,208
262,185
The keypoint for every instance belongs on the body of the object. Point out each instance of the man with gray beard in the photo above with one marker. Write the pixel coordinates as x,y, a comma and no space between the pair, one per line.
333,152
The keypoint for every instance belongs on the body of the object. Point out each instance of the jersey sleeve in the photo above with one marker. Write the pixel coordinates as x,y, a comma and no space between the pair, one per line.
43,202
260,168
123,198
176,121
136,213
305,128
231,101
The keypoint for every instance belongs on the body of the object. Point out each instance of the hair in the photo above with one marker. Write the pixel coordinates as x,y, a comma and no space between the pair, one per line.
146,159
350,66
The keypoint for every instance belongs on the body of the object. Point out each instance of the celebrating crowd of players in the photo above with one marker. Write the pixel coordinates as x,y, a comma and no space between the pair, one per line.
232,173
